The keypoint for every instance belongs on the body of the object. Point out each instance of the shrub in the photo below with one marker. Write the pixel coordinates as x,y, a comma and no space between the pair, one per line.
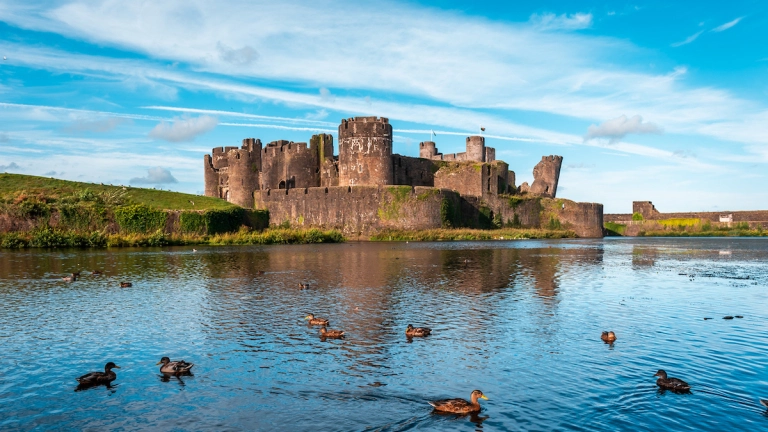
13,241
140,218
554,223
637,216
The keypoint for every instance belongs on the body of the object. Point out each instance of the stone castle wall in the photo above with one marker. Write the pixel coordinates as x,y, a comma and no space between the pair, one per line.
357,210
546,175
287,164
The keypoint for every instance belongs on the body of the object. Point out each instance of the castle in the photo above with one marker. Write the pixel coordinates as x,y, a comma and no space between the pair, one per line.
361,189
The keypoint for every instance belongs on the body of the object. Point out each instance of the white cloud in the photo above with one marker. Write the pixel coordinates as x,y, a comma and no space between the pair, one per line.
156,175
688,40
727,25
550,21
237,57
183,128
616,129
326,96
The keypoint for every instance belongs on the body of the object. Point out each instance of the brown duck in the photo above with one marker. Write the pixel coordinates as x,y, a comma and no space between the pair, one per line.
175,367
674,384
97,272
125,284
460,406
94,378
608,337
71,278
334,334
316,321
412,331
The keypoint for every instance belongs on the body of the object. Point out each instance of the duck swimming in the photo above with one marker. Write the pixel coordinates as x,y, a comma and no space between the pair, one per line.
94,378
412,331
460,406
764,402
334,334
97,273
71,278
608,337
316,321
125,284
674,384
303,285
175,367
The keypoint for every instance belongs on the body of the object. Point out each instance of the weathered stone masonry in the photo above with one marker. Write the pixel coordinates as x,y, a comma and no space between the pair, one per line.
306,185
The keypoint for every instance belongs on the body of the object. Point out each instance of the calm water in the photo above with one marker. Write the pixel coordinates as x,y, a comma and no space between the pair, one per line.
520,321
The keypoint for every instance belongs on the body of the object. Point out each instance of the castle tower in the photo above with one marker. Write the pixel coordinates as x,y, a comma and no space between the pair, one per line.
211,177
244,164
546,174
365,151
324,145
427,150
476,148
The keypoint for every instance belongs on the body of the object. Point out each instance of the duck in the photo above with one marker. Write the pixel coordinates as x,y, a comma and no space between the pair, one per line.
335,334
411,331
764,402
316,321
97,273
125,284
460,406
71,278
94,378
303,285
608,337
674,384
176,367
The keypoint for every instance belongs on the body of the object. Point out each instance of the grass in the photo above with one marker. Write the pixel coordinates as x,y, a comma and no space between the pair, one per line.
14,185
442,234
60,239
615,228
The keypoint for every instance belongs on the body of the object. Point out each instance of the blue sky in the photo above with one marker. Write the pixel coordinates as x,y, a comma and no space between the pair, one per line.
645,100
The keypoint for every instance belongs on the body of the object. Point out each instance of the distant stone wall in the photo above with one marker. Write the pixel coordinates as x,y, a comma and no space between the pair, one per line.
474,179
649,213
357,210
585,219
546,175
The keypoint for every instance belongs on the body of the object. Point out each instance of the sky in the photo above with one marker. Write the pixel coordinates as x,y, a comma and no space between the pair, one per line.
647,100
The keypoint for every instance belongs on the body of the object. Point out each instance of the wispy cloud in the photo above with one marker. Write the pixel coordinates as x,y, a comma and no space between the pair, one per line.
616,129
237,57
184,128
550,21
100,125
688,40
156,175
726,26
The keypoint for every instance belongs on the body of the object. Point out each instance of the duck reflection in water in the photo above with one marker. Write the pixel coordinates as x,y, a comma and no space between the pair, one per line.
166,377
474,417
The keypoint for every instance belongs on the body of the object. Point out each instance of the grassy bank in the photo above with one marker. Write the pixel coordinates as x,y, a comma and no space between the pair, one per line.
684,228
18,188
443,234
50,238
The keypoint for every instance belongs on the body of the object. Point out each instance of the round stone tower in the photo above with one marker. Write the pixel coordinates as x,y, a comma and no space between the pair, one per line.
476,148
243,176
365,152
427,149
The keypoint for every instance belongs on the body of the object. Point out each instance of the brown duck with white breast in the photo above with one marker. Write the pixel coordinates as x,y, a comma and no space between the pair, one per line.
460,406
174,367
608,337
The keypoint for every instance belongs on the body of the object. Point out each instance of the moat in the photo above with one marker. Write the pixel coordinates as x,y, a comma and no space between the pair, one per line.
519,320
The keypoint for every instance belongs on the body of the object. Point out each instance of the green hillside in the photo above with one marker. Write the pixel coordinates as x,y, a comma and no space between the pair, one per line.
13,186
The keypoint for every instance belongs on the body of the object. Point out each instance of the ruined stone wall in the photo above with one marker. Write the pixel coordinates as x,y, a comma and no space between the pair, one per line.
365,152
546,174
585,219
490,154
329,173
464,178
357,210
211,177
287,164
645,208
473,179
413,171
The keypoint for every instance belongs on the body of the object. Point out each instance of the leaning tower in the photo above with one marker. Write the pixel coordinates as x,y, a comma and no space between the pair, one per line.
365,152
